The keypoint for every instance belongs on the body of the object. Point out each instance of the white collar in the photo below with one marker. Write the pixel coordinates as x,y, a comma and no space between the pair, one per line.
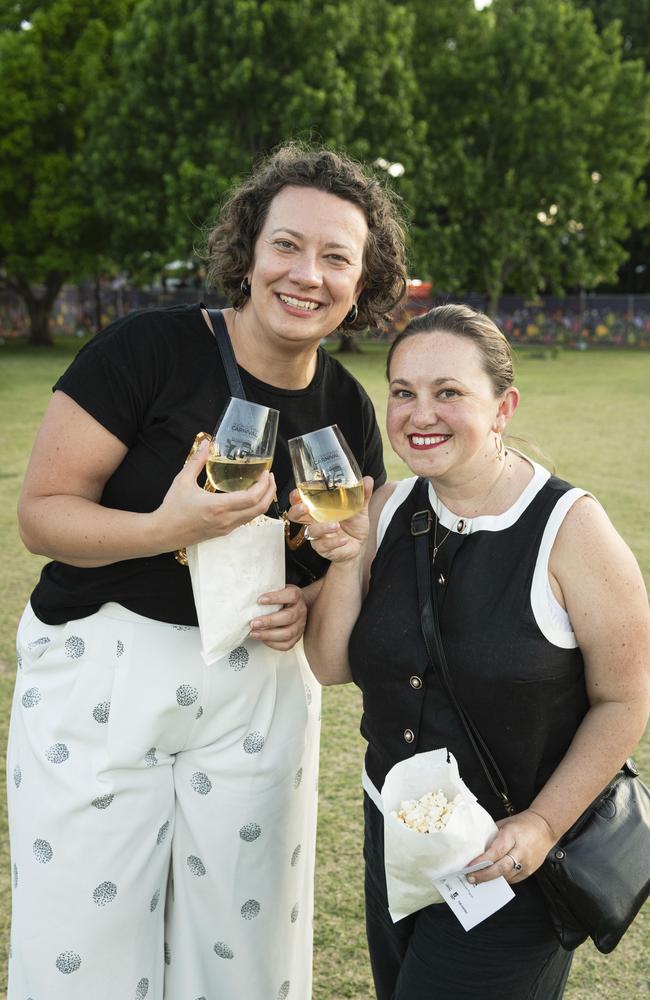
492,522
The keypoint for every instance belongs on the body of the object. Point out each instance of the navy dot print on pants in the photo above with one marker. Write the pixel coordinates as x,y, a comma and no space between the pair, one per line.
105,893
254,742
195,865
31,697
239,658
186,695
42,851
68,961
142,989
57,753
101,712
250,832
201,783
102,801
250,909
74,647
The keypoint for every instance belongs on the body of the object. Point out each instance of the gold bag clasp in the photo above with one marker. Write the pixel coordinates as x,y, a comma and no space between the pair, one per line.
180,555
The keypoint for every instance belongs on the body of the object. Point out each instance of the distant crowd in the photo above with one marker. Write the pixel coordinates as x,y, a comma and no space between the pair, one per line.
573,321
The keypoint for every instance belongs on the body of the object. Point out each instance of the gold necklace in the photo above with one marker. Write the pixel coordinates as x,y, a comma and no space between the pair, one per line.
436,546
435,540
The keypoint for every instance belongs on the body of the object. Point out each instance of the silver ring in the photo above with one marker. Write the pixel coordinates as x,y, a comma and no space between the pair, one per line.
515,864
307,536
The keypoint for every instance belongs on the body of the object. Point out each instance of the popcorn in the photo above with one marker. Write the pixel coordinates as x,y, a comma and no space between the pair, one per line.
427,814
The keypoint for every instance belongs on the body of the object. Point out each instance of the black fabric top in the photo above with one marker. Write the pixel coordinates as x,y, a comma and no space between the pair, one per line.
155,379
526,696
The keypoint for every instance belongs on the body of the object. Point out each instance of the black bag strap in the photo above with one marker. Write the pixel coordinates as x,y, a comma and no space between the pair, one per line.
430,624
231,368
228,359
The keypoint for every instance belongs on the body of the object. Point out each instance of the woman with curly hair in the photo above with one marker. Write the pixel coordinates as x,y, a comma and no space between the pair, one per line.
163,812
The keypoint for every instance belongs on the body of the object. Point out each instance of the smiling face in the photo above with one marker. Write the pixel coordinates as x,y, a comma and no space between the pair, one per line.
307,266
443,413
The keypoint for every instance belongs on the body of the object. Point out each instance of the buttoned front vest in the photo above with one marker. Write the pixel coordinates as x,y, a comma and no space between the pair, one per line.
526,695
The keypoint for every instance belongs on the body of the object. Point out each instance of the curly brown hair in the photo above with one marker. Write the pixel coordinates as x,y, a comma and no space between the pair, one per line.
231,243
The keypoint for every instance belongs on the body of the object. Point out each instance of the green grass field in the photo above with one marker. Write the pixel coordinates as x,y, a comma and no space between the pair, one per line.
588,414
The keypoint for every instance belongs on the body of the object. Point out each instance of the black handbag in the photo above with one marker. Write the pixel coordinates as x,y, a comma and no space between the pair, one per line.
597,877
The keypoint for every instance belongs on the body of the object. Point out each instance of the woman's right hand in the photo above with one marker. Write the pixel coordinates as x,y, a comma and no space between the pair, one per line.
190,514
340,542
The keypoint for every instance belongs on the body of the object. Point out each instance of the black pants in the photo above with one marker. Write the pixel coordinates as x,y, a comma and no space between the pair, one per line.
513,955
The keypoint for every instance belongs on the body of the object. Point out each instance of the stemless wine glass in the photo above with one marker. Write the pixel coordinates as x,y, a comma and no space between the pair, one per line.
326,474
242,445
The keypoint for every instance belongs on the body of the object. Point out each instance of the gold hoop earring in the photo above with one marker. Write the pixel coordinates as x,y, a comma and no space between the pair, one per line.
498,444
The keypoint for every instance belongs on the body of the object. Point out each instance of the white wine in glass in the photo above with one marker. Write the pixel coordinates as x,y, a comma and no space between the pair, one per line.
327,475
242,445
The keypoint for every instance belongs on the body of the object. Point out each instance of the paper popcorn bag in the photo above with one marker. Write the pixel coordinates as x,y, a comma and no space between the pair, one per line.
228,575
413,859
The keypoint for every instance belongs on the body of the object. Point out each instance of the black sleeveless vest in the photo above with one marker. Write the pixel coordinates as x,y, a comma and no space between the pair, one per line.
526,696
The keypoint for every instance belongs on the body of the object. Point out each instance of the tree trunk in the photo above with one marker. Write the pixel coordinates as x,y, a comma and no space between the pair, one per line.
39,322
348,344
494,297
98,303
39,307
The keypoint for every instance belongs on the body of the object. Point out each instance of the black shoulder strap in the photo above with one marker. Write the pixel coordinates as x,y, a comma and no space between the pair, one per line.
222,338
430,624
229,361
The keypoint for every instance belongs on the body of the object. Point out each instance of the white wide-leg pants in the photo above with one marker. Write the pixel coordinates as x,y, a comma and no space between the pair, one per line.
162,815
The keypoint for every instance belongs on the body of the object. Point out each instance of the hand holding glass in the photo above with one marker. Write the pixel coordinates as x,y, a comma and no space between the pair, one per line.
327,475
242,445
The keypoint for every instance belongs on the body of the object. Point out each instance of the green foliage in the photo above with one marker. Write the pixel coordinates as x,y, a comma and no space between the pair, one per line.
126,122
533,116
204,88
49,229
633,17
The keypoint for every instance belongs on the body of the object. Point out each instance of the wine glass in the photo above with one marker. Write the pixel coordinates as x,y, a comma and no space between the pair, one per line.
242,445
327,474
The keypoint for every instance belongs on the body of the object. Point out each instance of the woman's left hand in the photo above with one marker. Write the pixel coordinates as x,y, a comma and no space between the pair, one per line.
524,839
281,629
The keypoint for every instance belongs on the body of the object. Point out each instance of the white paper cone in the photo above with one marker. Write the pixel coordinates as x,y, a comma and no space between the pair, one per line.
413,859
228,575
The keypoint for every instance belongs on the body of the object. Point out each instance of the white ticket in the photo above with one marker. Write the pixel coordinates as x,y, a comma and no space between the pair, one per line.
472,904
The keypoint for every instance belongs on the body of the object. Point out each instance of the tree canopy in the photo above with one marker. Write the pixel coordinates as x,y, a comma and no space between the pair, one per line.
541,130
52,57
633,16
523,130
202,89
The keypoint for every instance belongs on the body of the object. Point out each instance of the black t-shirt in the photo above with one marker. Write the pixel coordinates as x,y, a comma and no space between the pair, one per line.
154,379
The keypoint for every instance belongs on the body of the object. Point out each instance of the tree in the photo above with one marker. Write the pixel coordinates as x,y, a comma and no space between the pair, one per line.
213,84
633,17
634,20
52,56
542,131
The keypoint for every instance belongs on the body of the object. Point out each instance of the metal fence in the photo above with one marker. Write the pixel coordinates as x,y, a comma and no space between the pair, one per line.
576,321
